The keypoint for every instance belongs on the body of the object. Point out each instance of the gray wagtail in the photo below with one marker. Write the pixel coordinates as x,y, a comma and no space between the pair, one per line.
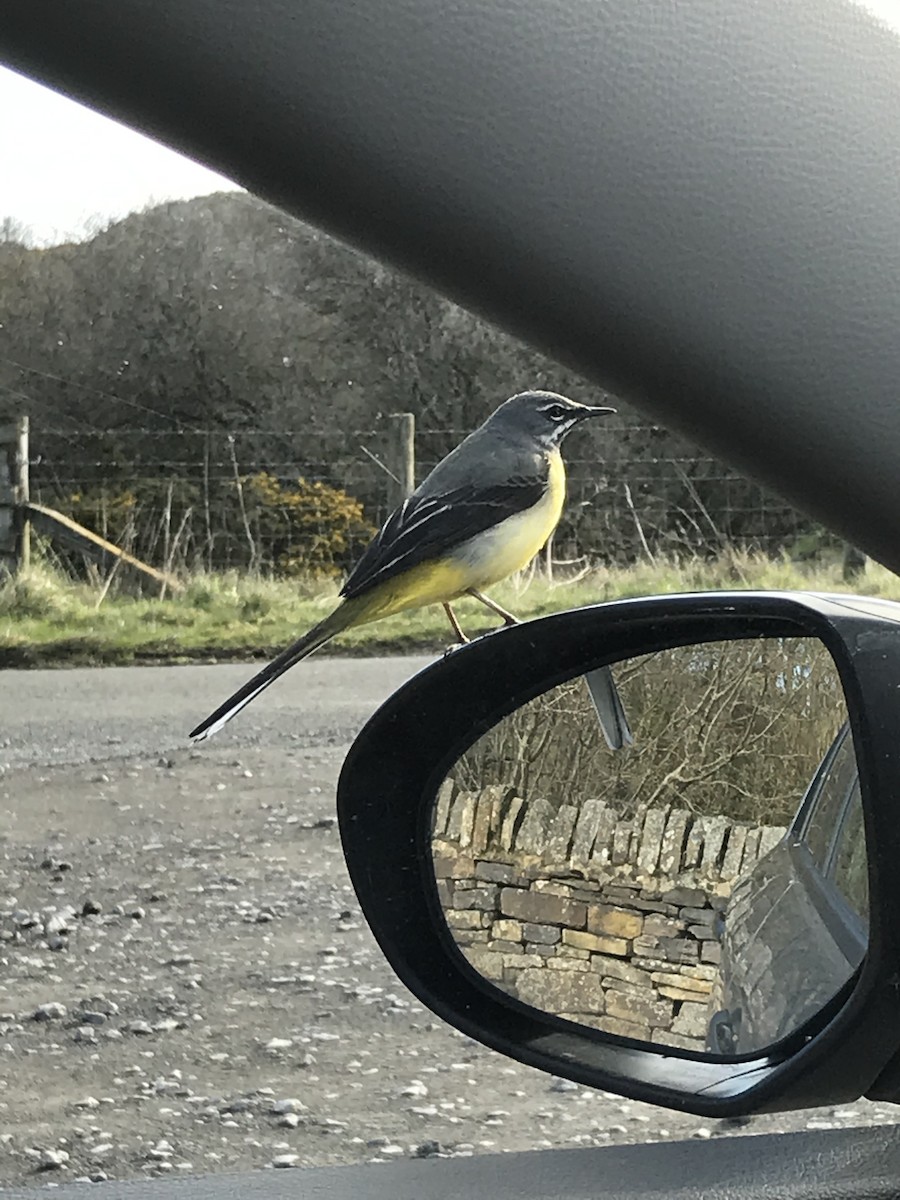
481,514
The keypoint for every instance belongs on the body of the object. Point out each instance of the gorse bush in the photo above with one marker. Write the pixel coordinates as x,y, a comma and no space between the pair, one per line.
105,511
256,522
309,529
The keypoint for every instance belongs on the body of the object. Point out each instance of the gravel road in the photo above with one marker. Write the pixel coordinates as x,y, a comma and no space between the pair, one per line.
87,715
186,983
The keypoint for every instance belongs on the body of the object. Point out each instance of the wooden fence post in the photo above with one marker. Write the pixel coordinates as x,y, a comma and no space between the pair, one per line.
403,456
17,513
22,495
15,527
9,435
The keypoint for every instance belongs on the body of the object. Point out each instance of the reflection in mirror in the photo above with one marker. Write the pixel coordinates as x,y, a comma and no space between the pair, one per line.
705,887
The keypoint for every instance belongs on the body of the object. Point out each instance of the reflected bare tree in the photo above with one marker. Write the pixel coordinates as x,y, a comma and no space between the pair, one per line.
725,728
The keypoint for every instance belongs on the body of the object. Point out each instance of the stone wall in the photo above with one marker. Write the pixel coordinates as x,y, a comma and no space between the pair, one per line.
607,921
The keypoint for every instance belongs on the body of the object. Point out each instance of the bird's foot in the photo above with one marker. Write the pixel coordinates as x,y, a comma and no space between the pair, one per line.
454,646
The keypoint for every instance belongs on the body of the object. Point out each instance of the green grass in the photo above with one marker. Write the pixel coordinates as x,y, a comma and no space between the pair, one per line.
46,619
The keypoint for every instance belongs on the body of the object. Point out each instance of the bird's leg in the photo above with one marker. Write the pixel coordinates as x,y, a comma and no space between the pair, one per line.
508,618
457,628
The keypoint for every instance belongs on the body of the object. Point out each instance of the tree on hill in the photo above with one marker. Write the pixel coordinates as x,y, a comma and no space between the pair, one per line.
141,351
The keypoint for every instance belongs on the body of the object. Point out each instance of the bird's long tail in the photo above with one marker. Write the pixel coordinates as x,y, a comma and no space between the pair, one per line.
344,615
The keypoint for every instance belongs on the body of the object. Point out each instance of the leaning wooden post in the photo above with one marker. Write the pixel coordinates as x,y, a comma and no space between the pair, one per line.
403,456
22,496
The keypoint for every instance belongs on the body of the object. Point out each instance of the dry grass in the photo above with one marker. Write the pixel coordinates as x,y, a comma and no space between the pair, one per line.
47,618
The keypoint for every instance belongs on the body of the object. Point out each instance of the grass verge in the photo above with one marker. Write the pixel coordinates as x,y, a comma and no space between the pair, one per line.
47,620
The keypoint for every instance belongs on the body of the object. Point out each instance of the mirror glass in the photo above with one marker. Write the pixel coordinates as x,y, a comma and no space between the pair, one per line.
704,885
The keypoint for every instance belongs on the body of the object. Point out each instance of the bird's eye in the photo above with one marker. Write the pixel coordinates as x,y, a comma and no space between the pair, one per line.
556,412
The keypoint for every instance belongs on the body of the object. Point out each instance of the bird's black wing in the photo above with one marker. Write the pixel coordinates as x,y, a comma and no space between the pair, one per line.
424,528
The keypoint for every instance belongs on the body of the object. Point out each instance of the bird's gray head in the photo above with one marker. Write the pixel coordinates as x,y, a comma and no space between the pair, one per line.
543,416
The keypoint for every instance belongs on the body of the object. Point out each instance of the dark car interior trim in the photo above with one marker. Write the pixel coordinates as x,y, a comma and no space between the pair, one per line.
840,1164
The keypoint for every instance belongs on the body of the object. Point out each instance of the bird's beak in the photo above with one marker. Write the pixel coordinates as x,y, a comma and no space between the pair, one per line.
587,411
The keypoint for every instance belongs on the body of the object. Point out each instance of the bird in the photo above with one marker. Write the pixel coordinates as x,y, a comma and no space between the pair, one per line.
480,515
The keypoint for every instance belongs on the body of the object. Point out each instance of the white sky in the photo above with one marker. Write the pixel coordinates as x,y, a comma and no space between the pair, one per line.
66,168
888,10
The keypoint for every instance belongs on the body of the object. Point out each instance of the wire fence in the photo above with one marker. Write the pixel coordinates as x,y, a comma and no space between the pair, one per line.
300,500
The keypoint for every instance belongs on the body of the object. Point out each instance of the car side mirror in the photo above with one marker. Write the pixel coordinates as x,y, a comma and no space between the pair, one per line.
671,893
641,846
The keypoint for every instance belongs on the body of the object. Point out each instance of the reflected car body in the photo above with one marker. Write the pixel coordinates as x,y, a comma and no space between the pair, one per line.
796,926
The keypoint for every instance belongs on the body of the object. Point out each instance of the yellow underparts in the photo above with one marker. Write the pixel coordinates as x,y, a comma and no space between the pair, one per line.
478,563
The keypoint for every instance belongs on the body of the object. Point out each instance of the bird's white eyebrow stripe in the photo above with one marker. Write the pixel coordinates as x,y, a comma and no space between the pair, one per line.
573,412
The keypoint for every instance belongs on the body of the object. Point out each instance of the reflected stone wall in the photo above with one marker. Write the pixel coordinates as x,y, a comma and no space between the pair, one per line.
532,893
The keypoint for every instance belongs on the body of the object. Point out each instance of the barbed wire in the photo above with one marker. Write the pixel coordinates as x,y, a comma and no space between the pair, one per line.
625,503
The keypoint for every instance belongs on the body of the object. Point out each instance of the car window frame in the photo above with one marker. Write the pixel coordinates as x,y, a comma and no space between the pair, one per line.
849,930
854,797
810,803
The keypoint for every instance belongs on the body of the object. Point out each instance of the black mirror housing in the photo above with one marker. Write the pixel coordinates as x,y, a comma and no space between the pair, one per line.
396,766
